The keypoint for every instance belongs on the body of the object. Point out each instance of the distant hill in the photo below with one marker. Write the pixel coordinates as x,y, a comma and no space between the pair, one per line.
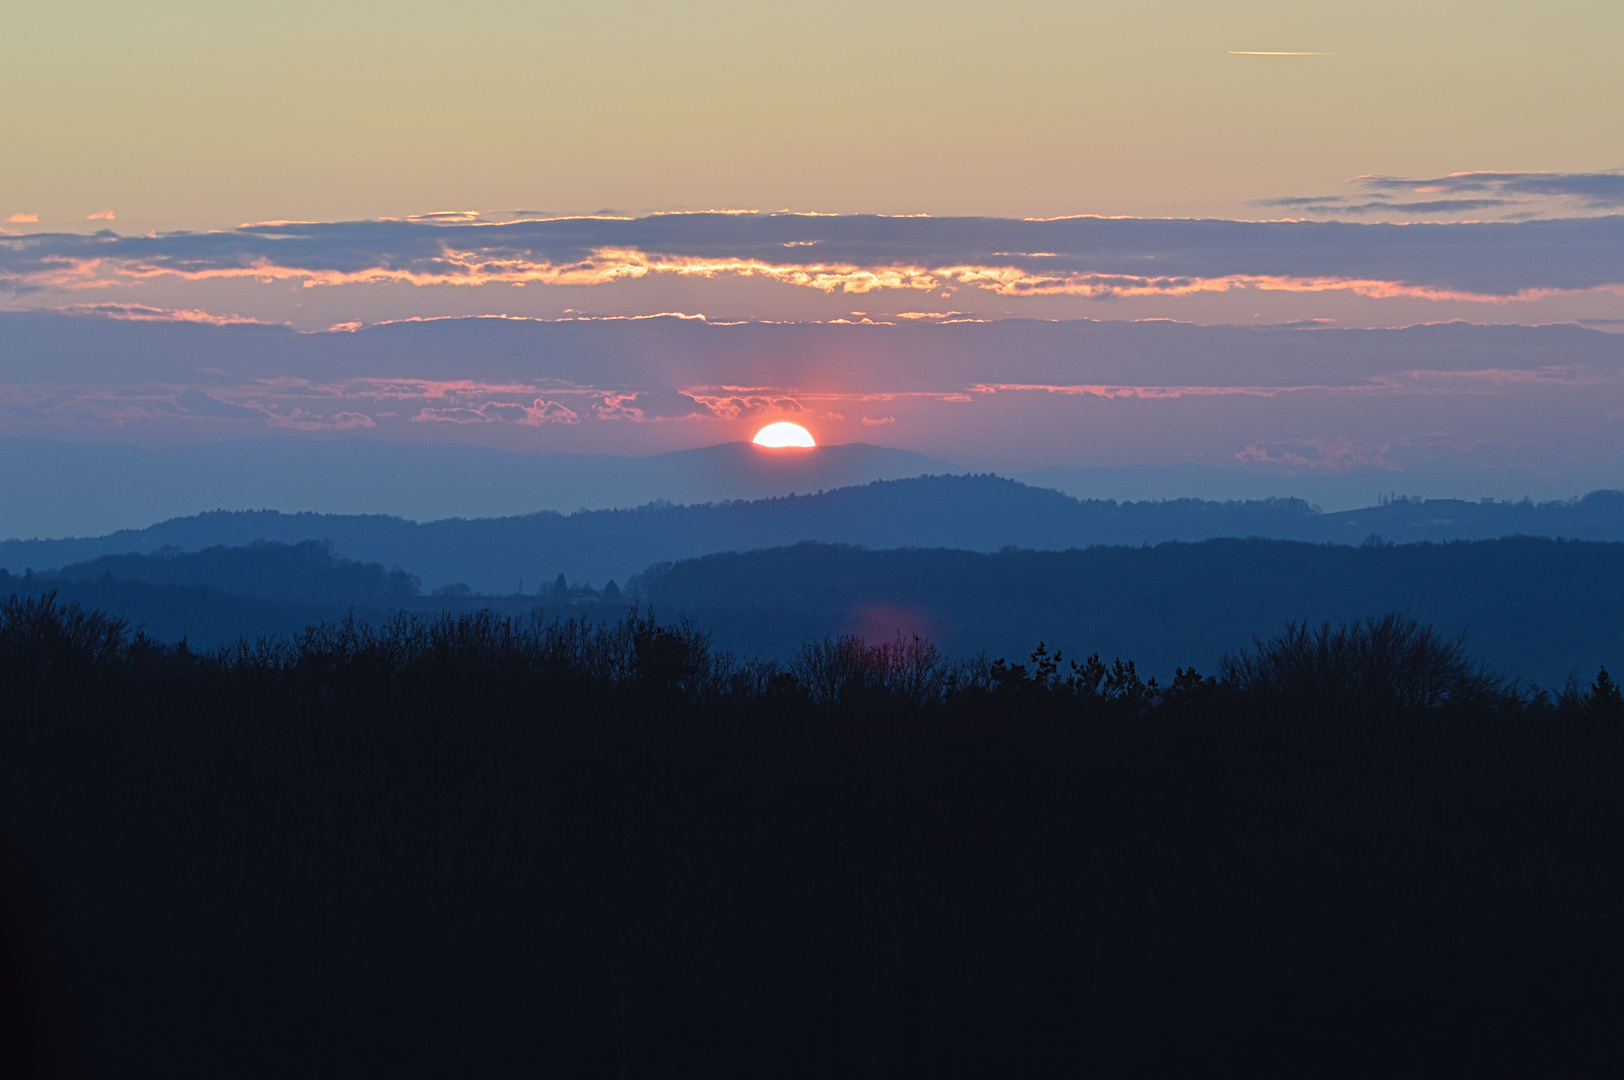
975,513
306,572
61,488
1334,489
1530,606
220,594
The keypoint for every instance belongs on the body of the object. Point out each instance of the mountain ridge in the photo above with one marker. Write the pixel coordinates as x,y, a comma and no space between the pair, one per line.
975,513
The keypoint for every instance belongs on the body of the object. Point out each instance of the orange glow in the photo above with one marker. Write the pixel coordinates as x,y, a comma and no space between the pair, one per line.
784,433
472,268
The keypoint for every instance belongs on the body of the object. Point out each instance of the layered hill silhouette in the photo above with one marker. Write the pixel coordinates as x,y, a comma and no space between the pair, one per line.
222,594
973,513
1534,607
307,572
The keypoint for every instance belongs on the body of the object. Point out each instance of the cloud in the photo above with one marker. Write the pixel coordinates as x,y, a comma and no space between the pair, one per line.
302,420
197,403
147,313
736,406
22,219
648,405
1595,190
1336,205
1328,455
669,367
539,412
1303,201
1085,256
1013,394
1143,392
101,215
1516,194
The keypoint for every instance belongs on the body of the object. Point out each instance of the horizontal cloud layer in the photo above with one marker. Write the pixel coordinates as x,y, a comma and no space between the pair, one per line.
1508,195
1596,190
651,365
1086,256
983,393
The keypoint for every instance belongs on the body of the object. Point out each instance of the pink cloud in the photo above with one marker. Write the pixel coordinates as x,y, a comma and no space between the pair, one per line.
541,411
609,265
147,313
23,219
619,407
876,421
1146,392
303,420
380,389
1330,455
101,215
644,406
737,406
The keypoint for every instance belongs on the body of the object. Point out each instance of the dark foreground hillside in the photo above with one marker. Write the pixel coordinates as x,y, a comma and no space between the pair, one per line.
1529,606
471,848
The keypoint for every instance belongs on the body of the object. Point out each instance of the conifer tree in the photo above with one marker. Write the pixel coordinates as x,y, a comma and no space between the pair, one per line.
1604,702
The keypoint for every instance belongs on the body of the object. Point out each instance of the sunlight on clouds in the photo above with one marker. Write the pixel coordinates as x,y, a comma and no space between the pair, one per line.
539,412
147,313
739,406
928,258
471,269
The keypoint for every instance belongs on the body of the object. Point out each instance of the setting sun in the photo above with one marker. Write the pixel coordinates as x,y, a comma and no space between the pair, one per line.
784,433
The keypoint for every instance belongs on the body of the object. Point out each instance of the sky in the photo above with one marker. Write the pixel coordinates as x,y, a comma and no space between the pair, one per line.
1017,201
194,115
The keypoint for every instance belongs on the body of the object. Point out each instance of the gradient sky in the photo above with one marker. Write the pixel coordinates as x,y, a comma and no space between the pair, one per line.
201,115
1066,177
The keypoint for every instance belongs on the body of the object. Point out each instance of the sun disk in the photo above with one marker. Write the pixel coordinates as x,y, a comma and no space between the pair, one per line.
784,433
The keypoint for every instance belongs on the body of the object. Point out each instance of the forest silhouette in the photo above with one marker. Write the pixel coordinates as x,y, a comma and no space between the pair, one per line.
1166,606
481,846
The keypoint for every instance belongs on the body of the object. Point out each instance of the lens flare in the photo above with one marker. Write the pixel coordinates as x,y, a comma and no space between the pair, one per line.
784,433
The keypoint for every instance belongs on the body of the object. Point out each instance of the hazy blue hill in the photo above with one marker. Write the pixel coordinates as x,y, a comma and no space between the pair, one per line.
306,572
220,594
1532,606
1597,516
976,513
202,615
494,554
1335,490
